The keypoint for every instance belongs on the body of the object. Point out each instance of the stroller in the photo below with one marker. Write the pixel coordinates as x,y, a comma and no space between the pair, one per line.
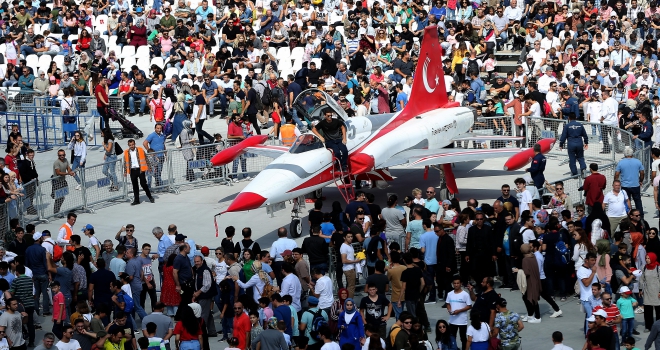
128,129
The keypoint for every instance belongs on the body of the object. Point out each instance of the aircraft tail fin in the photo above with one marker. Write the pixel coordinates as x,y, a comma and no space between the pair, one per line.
428,91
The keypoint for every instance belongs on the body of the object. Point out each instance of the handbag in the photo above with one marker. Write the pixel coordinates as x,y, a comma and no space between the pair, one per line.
494,343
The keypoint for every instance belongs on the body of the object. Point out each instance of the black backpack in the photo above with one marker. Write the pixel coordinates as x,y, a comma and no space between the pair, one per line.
317,322
372,248
267,96
472,66
118,149
240,244
277,94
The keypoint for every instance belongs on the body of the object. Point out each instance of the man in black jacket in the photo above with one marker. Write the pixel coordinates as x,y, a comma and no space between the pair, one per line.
28,171
317,250
481,249
511,254
446,264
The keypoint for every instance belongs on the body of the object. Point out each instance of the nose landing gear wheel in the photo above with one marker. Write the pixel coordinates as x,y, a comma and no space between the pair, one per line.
295,228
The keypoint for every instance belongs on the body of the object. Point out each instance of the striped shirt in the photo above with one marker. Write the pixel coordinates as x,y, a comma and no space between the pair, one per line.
22,288
612,314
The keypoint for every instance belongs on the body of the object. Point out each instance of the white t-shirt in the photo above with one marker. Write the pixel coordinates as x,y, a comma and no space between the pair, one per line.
524,197
3,344
459,301
127,289
480,335
366,344
330,346
585,292
93,242
615,204
323,287
536,112
71,345
350,255
655,163
527,234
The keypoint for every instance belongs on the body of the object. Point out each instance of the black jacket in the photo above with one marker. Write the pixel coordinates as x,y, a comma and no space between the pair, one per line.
480,242
28,171
515,240
446,253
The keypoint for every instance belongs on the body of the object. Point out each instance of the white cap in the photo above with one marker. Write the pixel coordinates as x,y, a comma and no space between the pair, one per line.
36,236
624,290
593,73
591,318
601,313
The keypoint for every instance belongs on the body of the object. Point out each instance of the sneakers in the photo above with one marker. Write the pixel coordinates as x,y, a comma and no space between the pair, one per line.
562,299
78,188
524,318
235,180
533,320
556,314
430,301
639,310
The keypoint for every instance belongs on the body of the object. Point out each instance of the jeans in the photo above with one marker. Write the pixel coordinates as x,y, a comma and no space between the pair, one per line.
223,104
322,267
212,103
189,345
431,269
131,102
296,119
559,27
27,50
243,167
586,305
158,169
460,329
635,195
227,326
396,77
109,169
340,151
201,133
138,308
77,164
41,289
151,292
411,306
576,152
627,325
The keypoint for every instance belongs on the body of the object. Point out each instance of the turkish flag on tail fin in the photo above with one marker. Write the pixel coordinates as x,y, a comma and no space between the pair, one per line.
428,90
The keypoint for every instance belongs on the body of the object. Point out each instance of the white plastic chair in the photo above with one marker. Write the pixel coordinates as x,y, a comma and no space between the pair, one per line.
101,23
59,60
318,62
273,51
297,52
32,62
283,52
44,61
243,72
142,51
170,72
297,64
284,64
158,61
143,64
128,51
112,41
128,63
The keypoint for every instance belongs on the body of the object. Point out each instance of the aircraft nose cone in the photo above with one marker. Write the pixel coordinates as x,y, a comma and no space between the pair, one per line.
246,201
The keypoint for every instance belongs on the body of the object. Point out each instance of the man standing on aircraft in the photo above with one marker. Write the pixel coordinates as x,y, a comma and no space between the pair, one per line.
334,136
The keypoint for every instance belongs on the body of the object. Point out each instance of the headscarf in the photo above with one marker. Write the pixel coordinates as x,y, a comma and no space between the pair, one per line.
576,61
603,249
197,309
256,265
98,53
139,22
354,307
543,217
654,262
272,322
526,249
187,124
597,213
636,239
653,245
339,292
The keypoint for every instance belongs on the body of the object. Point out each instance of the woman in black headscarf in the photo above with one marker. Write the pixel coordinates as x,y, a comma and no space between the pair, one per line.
652,241
597,213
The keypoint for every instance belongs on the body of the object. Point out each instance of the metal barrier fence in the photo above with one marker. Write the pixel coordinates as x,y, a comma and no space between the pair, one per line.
606,143
247,164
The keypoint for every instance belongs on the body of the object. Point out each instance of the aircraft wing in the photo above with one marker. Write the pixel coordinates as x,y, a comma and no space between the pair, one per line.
424,157
267,150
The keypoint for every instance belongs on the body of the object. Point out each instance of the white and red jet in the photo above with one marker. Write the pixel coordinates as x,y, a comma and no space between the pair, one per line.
415,136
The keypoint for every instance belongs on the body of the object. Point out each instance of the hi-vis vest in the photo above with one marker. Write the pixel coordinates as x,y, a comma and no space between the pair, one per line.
67,236
288,132
142,159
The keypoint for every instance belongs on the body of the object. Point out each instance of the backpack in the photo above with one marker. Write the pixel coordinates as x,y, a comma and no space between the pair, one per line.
130,304
266,96
472,66
241,259
372,248
278,95
159,111
57,251
547,110
118,149
563,255
388,342
317,322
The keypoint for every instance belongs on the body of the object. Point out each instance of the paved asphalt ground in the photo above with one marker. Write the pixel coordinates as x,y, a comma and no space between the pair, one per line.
192,211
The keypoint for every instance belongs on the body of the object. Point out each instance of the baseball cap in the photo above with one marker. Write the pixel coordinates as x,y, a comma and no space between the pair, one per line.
529,55
625,290
591,319
87,227
593,73
312,300
633,86
613,74
180,238
287,252
548,69
602,313
205,250
595,95
45,233
36,236
446,201
139,9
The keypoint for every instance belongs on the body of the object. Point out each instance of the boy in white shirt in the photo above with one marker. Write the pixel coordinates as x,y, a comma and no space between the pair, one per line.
523,195
458,305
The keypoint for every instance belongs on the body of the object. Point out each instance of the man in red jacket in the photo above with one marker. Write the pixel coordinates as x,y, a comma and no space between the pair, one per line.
593,187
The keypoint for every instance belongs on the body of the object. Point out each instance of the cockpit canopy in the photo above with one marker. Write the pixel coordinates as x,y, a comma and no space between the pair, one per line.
311,103
306,142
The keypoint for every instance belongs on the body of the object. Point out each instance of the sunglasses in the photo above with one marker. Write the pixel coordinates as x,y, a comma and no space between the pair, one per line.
409,322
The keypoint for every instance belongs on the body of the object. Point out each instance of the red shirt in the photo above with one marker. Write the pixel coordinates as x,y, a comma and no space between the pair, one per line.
612,314
593,186
234,130
183,332
100,91
241,326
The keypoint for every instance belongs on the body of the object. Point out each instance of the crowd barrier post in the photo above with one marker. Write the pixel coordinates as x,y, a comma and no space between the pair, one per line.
58,196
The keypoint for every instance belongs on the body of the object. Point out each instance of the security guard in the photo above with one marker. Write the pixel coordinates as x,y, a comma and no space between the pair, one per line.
537,168
575,133
645,137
